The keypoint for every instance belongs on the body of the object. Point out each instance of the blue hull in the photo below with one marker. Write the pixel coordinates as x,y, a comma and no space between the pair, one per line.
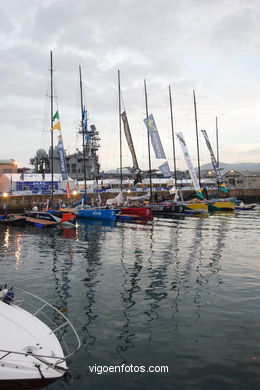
97,214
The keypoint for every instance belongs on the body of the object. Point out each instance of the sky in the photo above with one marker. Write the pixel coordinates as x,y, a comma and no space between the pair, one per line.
211,47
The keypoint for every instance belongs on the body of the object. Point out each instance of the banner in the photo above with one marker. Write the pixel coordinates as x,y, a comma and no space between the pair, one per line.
165,169
85,124
154,135
63,162
129,140
189,165
215,164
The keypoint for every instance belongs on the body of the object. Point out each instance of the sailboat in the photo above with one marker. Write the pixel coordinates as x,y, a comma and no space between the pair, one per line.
51,217
85,211
189,207
128,213
198,205
213,204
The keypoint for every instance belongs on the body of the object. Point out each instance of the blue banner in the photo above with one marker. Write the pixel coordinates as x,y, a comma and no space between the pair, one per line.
155,138
85,124
165,169
63,162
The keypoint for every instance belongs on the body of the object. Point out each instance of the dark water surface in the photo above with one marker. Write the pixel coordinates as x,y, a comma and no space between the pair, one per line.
182,293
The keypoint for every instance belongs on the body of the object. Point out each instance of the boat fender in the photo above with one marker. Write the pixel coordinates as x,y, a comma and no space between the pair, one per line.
9,297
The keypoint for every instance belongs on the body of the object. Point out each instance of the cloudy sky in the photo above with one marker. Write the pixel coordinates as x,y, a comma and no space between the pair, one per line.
212,47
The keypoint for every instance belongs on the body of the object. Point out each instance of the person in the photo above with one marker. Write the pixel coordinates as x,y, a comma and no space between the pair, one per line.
205,193
35,208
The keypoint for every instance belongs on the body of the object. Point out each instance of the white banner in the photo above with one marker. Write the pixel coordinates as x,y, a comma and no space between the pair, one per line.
189,164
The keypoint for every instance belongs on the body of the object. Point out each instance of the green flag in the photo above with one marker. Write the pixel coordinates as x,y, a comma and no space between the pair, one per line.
56,116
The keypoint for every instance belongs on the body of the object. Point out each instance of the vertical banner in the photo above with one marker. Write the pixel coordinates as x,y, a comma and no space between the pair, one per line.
215,164
85,124
155,138
63,163
165,169
129,140
189,165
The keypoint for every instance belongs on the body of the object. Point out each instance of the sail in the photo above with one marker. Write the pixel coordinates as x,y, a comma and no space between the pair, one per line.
189,165
215,164
129,140
63,162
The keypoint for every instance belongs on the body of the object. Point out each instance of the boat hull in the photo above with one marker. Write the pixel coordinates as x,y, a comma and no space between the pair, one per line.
25,384
109,214
165,208
221,205
195,207
143,212
13,220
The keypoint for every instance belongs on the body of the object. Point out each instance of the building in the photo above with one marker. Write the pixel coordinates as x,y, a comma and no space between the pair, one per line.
242,179
8,166
32,183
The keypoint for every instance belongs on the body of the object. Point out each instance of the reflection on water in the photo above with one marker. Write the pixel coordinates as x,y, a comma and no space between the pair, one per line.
177,292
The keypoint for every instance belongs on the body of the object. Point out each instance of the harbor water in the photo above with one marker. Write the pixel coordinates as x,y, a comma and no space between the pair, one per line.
179,295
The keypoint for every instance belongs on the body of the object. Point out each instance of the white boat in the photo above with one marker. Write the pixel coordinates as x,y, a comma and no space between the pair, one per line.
31,352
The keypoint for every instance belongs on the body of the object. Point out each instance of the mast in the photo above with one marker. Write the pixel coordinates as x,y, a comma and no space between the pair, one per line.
120,129
83,135
217,140
148,141
173,142
51,71
197,135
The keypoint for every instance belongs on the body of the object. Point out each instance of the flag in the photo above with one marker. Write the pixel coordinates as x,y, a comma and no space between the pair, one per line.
68,190
189,164
129,140
220,180
62,158
56,118
154,135
165,169
85,124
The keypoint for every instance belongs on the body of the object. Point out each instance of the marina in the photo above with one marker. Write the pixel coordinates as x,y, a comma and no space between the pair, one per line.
179,292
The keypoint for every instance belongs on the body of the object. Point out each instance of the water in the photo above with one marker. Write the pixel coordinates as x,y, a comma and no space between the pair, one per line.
182,293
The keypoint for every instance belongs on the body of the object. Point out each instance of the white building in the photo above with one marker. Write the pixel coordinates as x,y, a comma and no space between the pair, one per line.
32,183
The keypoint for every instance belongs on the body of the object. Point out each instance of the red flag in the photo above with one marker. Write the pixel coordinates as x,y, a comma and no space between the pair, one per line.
68,190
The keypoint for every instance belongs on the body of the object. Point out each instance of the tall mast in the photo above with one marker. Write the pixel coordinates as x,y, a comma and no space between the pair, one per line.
148,141
217,140
120,129
51,70
197,135
173,142
83,134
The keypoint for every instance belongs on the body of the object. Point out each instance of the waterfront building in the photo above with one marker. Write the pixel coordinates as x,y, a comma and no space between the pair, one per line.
33,183
8,166
242,179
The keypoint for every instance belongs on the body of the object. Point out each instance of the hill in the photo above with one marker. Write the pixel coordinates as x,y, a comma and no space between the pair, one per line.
247,166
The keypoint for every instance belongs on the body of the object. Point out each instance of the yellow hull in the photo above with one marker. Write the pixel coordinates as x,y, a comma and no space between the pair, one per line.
221,206
196,206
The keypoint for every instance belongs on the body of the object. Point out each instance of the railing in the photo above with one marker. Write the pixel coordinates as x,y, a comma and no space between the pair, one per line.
57,322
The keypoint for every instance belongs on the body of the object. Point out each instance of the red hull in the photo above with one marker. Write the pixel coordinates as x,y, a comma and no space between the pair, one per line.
143,212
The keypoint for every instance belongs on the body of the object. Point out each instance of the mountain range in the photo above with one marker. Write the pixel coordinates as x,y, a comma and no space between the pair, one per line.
245,166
